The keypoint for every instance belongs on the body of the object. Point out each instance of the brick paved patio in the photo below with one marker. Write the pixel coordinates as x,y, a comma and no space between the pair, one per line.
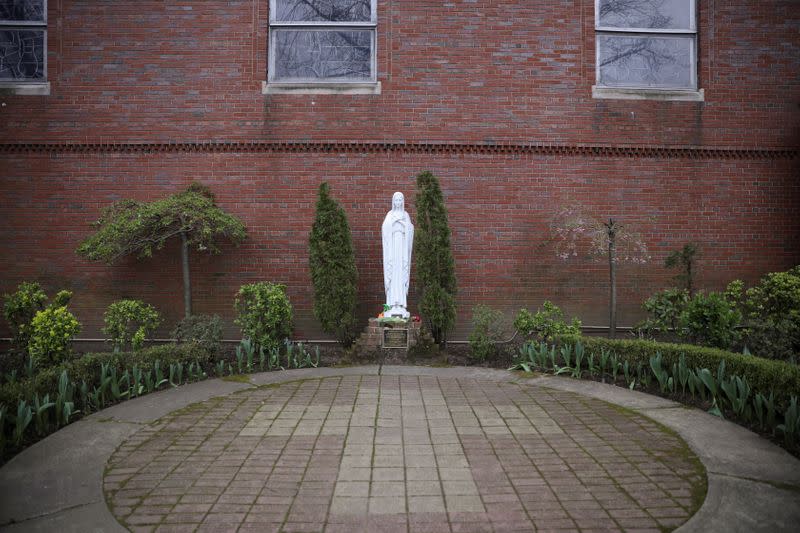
403,453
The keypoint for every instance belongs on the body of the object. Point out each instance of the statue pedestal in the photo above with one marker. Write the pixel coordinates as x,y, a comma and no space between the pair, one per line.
394,340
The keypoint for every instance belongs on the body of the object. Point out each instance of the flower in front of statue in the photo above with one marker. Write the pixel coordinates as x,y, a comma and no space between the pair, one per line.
416,318
380,315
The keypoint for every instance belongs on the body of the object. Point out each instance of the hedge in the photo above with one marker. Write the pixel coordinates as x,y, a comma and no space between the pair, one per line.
87,368
763,375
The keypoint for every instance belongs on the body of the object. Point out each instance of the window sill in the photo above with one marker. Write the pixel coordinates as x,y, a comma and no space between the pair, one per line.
25,89
619,93
321,88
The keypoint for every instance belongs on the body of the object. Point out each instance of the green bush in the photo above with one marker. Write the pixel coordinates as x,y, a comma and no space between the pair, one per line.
204,330
19,310
665,308
710,320
546,324
772,311
487,330
129,322
333,270
265,314
763,375
52,331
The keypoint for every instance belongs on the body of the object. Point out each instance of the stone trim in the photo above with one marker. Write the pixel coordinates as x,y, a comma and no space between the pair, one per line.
416,147
618,93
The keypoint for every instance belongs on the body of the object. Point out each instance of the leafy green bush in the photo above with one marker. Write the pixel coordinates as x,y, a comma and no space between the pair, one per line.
129,322
204,330
333,269
665,308
19,310
487,330
265,314
710,320
546,324
772,311
52,331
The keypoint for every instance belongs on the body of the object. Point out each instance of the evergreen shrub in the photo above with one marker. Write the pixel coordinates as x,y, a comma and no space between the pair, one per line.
435,267
264,314
129,322
333,269
487,331
203,330
52,331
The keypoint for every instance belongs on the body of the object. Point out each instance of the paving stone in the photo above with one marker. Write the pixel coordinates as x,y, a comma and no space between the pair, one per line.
401,453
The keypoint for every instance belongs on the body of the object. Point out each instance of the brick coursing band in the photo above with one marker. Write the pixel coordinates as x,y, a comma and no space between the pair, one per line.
686,152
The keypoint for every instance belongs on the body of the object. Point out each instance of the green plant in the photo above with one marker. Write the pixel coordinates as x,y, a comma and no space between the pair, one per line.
245,354
204,330
333,269
20,308
52,330
487,331
129,322
737,392
710,320
791,423
264,313
684,259
435,267
40,413
660,372
665,308
546,324
21,421
129,227
772,316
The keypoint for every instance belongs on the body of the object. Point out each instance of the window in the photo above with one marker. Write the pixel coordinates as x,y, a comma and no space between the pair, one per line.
315,43
646,46
23,44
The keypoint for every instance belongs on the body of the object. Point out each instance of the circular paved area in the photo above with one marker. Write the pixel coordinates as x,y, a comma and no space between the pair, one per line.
403,453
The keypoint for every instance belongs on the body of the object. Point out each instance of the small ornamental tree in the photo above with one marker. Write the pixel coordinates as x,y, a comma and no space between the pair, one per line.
136,228
609,240
333,269
435,268
684,259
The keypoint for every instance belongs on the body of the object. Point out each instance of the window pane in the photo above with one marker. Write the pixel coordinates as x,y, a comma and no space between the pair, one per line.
663,62
21,54
661,14
22,10
323,54
323,10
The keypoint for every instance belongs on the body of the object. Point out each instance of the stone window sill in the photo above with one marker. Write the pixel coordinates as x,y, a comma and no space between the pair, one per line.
321,88
618,93
25,89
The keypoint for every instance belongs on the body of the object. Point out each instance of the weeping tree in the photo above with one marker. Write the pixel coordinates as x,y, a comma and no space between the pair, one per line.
605,240
136,228
435,267
333,269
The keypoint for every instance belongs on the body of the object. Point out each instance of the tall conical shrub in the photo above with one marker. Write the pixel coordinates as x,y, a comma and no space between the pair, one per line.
435,268
333,269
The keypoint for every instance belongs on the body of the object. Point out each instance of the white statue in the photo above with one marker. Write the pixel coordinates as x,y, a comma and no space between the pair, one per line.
398,238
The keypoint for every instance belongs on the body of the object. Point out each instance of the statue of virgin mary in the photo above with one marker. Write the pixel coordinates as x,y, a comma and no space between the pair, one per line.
398,239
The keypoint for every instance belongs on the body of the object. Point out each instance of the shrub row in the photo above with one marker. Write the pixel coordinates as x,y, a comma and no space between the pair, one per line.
764,375
87,368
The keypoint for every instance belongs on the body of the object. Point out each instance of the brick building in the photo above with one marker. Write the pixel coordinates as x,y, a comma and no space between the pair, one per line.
680,118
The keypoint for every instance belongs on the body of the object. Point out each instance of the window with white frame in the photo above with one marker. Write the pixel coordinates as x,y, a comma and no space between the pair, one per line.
646,44
322,41
23,41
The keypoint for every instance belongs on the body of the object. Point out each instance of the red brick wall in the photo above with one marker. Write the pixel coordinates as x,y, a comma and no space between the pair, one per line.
469,74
